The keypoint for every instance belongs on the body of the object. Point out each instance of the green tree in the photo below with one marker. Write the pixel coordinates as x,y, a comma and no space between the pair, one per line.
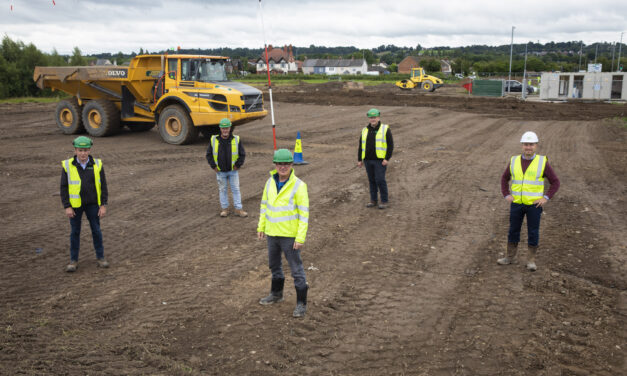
77,59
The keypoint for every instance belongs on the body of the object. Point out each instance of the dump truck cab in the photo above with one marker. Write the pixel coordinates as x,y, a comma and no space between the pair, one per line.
420,79
182,94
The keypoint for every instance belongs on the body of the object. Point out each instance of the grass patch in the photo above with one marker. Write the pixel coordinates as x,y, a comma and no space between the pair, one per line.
31,100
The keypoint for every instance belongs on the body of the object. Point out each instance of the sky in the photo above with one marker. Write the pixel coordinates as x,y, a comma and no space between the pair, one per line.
97,26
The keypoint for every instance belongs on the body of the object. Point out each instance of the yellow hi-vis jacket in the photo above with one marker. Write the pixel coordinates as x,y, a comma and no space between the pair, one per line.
380,144
285,213
527,187
215,143
74,181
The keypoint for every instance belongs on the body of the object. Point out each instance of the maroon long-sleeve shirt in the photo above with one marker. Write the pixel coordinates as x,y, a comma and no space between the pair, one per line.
548,174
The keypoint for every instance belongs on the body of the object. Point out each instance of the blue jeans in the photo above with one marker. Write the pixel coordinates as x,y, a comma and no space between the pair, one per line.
517,213
278,245
376,178
91,211
226,179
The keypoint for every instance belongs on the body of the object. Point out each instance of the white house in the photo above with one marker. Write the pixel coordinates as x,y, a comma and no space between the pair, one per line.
335,66
281,60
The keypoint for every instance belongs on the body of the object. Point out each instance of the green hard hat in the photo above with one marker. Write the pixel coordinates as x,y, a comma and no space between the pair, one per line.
373,112
283,155
225,123
82,142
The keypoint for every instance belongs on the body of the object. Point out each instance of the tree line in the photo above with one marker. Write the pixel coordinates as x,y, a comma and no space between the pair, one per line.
18,60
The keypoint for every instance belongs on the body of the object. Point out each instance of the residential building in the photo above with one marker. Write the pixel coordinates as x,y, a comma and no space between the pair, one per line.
281,60
335,66
410,62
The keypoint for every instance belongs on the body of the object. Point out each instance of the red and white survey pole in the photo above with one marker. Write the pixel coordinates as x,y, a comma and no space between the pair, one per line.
265,46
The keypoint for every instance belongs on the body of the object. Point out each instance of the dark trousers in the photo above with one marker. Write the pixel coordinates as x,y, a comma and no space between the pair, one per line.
517,213
376,178
278,245
91,211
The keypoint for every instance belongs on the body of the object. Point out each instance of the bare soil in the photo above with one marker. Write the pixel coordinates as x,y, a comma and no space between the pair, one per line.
411,290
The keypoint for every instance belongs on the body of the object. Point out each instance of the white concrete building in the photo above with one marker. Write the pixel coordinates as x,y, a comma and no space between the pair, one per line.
584,85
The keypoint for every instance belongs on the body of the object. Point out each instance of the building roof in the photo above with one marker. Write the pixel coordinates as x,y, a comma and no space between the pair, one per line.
278,54
333,63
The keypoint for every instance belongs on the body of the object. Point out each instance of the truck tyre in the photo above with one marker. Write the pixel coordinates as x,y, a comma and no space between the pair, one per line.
68,116
428,86
101,118
175,126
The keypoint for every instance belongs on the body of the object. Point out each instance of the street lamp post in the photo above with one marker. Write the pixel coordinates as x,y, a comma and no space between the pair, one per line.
580,54
619,51
524,86
511,51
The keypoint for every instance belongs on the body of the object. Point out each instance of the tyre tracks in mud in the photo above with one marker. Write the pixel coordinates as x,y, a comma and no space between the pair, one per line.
413,289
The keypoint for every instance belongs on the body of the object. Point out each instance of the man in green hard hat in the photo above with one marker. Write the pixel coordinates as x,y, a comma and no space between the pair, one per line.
284,219
375,150
226,156
84,190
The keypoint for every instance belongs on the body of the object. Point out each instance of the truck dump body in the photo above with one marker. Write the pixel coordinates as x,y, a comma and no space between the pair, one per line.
140,92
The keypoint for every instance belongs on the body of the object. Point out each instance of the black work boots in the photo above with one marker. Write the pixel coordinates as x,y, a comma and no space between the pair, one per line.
276,293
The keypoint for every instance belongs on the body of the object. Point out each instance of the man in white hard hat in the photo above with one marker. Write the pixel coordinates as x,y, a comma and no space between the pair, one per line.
527,172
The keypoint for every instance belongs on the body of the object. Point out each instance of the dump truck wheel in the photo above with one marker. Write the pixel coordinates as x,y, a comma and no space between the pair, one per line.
101,118
209,131
175,126
427,86
68,116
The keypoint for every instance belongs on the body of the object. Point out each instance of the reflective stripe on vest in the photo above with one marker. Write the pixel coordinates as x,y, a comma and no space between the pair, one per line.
380,143
215,144
74,181
290,207
527,187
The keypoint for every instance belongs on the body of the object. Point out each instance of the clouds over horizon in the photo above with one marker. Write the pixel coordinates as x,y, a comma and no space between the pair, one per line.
128,25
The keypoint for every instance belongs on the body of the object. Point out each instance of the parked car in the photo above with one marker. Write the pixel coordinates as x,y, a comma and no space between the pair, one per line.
513,86
459,75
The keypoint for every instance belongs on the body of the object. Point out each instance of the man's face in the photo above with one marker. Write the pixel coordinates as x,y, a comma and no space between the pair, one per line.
373,120
82,154
284,169
225,132
529,148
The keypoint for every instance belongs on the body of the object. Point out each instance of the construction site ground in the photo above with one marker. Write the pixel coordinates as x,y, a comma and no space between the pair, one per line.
410,290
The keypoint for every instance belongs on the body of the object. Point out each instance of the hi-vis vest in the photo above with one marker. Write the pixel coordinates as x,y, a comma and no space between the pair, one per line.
215,144
74,181
285,213
527,187
380,144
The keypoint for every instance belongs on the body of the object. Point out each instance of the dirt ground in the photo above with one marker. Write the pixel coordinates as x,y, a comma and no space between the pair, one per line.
411,290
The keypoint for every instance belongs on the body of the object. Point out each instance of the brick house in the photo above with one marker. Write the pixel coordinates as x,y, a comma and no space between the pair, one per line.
281,60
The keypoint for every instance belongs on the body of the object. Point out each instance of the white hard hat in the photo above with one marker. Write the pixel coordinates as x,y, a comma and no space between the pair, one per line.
529,137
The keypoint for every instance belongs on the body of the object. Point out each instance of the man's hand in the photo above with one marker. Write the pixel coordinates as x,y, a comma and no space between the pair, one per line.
215,169
360,163
540,202
102,211
260,235
385,162
70,212
509,198
297,245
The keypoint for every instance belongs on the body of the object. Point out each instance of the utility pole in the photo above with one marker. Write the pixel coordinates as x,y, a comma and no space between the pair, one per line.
580,54
524,88
619,51
613,50
511,51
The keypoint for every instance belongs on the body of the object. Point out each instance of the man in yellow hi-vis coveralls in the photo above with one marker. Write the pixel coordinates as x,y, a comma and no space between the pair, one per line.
284,217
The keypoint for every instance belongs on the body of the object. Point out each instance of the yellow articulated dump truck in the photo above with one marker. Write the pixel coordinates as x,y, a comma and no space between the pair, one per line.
181,94
420,79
